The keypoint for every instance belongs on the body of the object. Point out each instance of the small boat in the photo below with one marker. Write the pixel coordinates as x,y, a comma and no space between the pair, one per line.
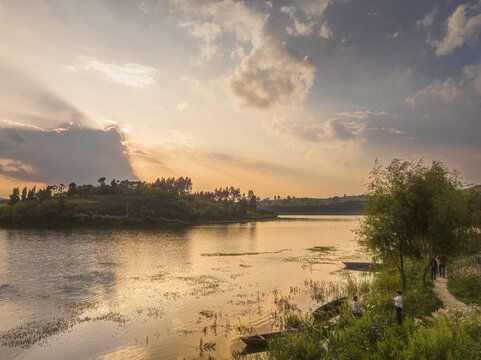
329,309
262,339
361,265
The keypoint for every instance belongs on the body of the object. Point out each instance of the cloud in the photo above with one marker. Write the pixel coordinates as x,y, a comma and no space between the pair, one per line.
74,153
428,19
270,73
313,8
473,74
181,107
361,114
206,31
465,86
323,132
129,74
300,28
325,32
24,101
393,35
306,15
463,26
447,91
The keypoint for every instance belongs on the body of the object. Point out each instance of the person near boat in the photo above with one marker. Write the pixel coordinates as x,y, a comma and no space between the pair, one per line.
356,308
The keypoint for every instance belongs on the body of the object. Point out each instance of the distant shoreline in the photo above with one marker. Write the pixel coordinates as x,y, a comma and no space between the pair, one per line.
139,223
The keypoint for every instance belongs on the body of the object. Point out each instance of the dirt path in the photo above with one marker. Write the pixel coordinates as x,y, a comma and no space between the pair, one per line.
441,290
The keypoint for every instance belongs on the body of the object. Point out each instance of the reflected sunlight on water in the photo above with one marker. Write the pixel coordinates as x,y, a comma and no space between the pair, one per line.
161,294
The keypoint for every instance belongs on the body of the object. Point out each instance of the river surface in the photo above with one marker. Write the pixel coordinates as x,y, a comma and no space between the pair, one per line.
170,294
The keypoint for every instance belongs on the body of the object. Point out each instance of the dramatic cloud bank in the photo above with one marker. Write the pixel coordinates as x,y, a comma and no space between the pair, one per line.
68,153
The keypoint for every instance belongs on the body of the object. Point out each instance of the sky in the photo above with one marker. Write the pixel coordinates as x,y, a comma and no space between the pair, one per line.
294,97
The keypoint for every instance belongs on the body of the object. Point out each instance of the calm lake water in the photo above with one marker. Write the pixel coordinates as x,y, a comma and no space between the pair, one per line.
168,294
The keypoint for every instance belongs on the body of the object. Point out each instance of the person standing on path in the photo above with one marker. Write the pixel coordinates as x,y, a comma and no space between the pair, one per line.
434,269
398,303
442,265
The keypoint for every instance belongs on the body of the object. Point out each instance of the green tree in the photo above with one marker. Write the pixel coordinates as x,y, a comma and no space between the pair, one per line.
72,189
412,211
24,194
252,200
438,212
384,230
31,193
45,194
14,197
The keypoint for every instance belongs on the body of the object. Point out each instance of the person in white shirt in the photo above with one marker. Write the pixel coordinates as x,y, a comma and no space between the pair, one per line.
398,303
356,308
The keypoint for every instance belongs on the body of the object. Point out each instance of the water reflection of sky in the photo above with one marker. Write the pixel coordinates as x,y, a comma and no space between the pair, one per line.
162,281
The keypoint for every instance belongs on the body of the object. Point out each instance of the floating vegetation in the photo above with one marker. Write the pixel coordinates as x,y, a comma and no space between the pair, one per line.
171,295
307,261
154,312
236,276
75,308
110,316
203,285
244,253
186,332
207,313
159,277
323,249
34,332
4,286
245,265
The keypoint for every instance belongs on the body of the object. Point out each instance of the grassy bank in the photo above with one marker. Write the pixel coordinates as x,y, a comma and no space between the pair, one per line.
464,279
375,334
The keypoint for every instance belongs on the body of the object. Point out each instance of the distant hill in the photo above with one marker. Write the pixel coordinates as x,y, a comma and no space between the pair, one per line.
345,205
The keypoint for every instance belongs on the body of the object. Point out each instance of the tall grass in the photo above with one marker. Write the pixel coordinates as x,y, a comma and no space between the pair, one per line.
375,335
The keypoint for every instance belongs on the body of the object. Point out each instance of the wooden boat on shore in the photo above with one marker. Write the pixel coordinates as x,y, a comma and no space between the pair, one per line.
330,309
262,339
327,310
363,266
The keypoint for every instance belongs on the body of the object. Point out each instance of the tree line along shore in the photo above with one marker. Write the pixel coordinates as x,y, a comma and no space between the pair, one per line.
167,201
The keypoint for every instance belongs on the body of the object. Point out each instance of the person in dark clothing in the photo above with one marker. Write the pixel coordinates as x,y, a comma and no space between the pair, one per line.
442,265
434,269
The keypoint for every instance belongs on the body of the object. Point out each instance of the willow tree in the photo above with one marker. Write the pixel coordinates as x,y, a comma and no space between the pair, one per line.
412,211
385,230
440,218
